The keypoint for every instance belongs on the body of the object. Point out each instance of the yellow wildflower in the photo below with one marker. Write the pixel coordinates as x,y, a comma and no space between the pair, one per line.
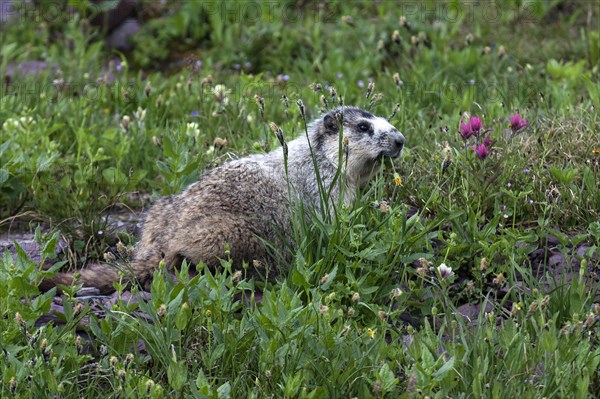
397,179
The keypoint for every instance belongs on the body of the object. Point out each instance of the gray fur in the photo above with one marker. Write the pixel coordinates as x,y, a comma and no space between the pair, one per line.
246,200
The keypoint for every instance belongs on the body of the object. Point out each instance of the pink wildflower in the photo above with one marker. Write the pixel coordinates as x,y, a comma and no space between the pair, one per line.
481,151
475,125
465,130
517,122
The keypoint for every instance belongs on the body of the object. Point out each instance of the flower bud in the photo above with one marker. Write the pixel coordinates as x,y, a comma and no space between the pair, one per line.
125,122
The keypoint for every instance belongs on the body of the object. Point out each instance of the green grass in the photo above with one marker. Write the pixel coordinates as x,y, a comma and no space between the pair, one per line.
99,137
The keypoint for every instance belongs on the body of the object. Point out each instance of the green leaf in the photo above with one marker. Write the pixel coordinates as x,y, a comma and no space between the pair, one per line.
292,385
41,303
589,180
583,384
301,275
445,369
114,176
183,316
202,384
187,168
168,149
224,391
177,374
387,378
44,161
331,276
158,286
217,353
4,146
7,49
549,341
55,267
594,229
49,250
175,305
3,175
562,237
564,176
95,328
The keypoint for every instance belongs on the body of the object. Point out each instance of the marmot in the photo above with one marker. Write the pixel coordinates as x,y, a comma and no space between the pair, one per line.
245,201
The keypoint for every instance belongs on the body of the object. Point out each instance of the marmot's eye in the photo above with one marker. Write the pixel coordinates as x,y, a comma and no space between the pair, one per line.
364,127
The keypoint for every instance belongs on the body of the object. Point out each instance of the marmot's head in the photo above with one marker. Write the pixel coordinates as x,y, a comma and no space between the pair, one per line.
370,139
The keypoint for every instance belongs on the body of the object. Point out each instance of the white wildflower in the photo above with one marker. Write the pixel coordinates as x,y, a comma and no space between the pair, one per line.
445,271
140,114
221,94
192,130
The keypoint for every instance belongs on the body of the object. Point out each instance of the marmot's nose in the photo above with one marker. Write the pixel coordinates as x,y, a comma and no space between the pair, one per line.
398,139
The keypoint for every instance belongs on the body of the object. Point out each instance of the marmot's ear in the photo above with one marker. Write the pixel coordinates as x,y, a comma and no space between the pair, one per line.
330,124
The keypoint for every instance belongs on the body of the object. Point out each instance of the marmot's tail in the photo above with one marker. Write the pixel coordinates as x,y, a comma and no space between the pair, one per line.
100,275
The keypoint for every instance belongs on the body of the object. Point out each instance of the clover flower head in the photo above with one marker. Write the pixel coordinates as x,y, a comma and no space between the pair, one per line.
445,271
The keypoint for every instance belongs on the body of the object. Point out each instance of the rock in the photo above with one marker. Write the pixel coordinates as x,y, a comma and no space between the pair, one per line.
87,293
537,255
120,38
111,19
27,243
583,248
550,240
28,68
556,260
118,23
470,311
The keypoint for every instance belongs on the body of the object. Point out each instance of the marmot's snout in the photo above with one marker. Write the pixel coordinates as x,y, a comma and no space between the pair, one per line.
396,141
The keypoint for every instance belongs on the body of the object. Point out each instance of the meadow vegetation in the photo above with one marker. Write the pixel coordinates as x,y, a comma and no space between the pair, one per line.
467,268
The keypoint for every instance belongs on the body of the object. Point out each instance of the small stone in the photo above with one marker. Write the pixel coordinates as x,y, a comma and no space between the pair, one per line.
120,38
